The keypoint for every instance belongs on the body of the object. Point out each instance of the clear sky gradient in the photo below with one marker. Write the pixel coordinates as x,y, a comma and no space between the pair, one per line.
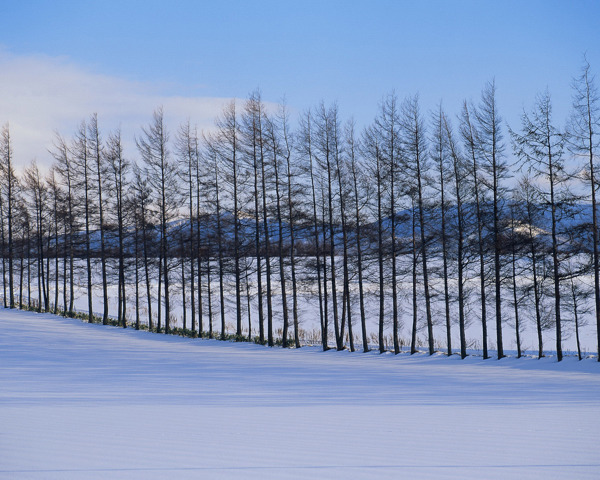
62,60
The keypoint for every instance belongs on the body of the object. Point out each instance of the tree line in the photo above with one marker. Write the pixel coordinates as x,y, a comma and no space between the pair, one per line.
419,220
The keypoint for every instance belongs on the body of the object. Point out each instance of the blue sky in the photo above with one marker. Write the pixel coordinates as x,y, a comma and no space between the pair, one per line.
61,60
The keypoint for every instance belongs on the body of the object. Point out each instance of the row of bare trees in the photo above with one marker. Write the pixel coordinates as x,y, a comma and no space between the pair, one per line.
418,223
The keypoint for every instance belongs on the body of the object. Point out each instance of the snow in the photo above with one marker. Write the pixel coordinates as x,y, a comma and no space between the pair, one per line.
81,401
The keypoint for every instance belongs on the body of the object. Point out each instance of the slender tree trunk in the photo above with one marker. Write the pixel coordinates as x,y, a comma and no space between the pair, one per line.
257,248
536,287
346,279
576,315
270,341
43,298
137,276
28,268
198,246
458,181
324,264
324,327
361,293
394,263
95,135
183,296
292,253
21,273
40,265
9,202
2,250
515,298
124,312
441,149
236,232
596,240
555,264
56,254
10,180
392,160
159,297
209,295
86,190
380,254
339,340
497,273
282,278
424,258
248,298
461,300
220,247
65,257
192,250
119,303
146,264
413,341
322,319
165,258
47,290
122,256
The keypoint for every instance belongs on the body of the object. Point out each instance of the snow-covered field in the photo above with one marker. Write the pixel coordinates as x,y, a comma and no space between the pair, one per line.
80,401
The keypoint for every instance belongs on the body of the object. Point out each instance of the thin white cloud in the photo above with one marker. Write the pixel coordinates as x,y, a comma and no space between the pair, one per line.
40,95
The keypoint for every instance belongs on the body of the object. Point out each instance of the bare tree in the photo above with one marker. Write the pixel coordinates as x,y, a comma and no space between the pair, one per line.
372,152
584,141
415,162
356,169
96,153
441,157
141,200
227,148
326,136
162,176
305,146
273,130
82,170
253,144
119,168
55,198
23,227
65,169
387,125
187,149
460,175
37,194
214,185
529,201
470,139
292,193
516,245
9,182
491,148
2,251
540,147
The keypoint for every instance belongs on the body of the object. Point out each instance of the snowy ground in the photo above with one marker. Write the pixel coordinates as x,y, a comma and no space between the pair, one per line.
80,401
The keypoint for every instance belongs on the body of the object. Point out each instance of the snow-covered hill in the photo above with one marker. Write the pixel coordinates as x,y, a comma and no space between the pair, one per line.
81,401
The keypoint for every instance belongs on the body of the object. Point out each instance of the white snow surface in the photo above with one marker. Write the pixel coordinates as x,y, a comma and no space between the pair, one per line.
81,401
